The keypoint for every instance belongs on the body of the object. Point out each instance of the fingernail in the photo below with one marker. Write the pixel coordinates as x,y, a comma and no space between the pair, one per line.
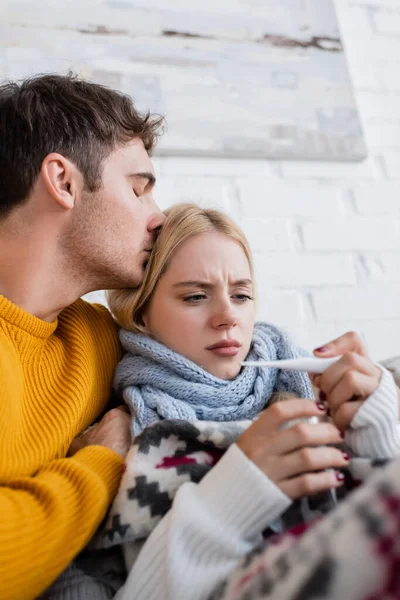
339,476
322,396
322,406
322,349
345,455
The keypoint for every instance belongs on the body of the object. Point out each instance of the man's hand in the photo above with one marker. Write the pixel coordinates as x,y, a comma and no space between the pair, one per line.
348,382
295,458
113,432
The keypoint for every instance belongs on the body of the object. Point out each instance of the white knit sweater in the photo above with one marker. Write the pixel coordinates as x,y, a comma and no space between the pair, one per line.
216,522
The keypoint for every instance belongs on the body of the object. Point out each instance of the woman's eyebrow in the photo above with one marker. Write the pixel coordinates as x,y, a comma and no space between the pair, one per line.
242,282
202,284
207,284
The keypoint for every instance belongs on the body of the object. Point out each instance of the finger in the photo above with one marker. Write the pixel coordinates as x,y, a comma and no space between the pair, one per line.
258,438
348,342
279,413
124,409
303,434
315,379
351,385
346,413
311,483
115,413
311,459
350,362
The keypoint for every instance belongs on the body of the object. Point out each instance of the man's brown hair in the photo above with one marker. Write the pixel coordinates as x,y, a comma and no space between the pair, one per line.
83,121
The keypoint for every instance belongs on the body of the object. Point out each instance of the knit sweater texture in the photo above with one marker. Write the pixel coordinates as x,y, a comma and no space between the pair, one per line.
55,380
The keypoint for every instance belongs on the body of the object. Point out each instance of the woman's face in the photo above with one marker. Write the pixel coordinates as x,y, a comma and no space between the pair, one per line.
202,307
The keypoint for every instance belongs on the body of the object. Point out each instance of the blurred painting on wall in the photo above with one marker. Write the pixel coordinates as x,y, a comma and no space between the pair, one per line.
235,78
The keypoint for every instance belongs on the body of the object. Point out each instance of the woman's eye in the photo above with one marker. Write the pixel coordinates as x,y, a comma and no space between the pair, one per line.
242,297
194,298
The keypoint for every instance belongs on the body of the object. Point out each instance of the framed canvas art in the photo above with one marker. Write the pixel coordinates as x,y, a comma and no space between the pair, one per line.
235,78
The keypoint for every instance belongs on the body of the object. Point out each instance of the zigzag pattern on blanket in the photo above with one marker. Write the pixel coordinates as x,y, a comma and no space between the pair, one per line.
168,454
163,457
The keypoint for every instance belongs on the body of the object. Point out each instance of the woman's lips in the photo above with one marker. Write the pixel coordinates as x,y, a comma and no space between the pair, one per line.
225,348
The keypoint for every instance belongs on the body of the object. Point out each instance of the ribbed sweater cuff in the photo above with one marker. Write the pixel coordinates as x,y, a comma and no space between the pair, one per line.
374,431
105,463
240,496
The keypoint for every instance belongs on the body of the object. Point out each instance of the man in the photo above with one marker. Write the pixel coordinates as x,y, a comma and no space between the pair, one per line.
76,215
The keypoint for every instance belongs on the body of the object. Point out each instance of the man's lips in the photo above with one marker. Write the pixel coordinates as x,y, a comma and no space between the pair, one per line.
146,259
225,348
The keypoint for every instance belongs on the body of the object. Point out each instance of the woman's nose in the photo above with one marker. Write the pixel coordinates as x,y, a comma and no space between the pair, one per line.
224,319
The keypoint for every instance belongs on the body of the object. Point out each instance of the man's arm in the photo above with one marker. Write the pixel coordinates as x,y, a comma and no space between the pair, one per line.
47,519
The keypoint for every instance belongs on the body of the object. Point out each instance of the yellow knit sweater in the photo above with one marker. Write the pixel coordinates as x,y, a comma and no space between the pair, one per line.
55,380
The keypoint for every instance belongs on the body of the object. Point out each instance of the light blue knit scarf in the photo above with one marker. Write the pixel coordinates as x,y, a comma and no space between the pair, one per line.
157,383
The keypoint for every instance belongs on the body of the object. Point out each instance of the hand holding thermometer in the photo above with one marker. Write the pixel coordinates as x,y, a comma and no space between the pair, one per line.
311,364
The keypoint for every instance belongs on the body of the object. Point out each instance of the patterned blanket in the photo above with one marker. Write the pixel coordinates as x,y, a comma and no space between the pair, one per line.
163,457
169,453
352,554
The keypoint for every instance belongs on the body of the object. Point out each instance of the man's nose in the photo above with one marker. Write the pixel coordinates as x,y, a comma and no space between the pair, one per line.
156,221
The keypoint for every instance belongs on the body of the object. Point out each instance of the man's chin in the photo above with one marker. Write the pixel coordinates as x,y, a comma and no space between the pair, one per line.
132,281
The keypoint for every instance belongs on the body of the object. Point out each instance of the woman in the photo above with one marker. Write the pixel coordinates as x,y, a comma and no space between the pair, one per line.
213,524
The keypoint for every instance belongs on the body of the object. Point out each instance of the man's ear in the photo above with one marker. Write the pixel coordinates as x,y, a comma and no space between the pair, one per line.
62,179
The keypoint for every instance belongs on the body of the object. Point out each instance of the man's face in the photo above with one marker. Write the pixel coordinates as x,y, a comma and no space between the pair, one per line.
115,228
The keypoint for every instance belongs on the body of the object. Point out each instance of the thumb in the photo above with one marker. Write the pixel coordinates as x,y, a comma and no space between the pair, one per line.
348,342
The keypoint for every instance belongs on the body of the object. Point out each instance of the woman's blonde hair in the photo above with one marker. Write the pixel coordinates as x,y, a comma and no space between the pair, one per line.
183,222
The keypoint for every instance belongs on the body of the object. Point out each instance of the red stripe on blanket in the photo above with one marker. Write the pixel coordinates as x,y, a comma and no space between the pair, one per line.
169,462
175,461
388,548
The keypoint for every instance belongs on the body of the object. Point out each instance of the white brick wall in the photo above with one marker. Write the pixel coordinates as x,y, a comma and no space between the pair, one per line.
391,161
325,235
296,270
378,198
379,233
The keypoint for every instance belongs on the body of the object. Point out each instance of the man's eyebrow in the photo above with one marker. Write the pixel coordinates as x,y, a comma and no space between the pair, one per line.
206,284
146,175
